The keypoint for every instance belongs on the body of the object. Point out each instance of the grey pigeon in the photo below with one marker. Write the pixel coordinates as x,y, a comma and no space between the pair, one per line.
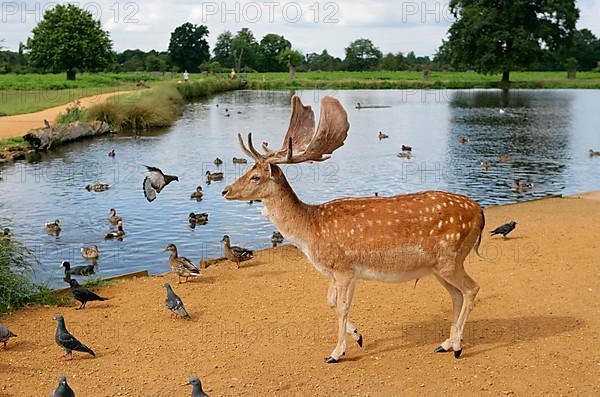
63,389
5,335
197,387
155,182
82,294
67,341
504,229
86,270
174,303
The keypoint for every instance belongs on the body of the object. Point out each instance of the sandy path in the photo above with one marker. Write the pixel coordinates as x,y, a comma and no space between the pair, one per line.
264,329
20,124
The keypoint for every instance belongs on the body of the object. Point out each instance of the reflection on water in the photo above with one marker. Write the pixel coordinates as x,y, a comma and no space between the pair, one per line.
546,135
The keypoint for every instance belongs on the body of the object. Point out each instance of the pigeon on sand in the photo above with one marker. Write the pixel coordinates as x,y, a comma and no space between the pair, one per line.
63,389
82,294
174,303
67,341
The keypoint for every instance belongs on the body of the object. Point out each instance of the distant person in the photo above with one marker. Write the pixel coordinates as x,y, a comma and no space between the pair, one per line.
186,76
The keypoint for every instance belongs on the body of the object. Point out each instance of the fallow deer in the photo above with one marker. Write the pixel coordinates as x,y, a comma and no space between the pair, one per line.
397,238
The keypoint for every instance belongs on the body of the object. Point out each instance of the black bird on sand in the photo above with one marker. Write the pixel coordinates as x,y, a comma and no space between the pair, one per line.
63,389
155,182
197,387
82,294
46,124
174,303
86,270
504,229
67,341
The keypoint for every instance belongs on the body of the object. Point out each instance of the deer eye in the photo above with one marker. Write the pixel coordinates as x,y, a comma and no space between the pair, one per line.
255,178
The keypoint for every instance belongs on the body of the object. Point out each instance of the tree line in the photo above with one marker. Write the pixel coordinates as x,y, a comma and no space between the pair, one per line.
488,36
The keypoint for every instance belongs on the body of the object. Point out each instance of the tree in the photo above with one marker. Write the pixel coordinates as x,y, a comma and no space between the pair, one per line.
69,39
392,62
243,49
292,58
188,47
362,54
269,50
494,36
222,50
584,47
323,61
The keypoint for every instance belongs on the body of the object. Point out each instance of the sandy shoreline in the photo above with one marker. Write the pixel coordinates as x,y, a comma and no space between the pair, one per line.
264,329
18,125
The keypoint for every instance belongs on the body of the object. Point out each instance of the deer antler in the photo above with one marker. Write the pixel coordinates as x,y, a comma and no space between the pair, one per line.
301,142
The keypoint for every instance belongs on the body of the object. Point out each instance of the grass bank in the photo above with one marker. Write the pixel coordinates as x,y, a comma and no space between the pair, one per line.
17,289
28,93
158,106
414,80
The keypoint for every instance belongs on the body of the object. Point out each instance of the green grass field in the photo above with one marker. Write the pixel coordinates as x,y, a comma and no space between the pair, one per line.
409,79
28,93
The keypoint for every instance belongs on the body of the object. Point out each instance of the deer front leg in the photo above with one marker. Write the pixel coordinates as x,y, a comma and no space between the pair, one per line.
344,289
350,327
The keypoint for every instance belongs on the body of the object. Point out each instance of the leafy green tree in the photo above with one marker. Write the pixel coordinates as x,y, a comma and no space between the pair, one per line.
243,49
584,47
153,63
292,58
269,50
392,62
323,61
69,39
362,54
494,36
222,50
188,47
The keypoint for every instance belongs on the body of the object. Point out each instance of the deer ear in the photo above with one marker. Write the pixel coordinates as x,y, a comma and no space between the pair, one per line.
274,171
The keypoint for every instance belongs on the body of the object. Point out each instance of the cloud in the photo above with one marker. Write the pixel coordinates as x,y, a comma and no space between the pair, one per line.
311,25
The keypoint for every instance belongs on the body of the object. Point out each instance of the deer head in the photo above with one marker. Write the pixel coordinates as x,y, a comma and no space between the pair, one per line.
301,144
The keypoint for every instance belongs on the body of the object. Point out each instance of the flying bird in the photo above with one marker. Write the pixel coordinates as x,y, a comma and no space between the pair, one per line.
406,148
382,135
5,335
63,389
155,182
504,229
86,270
174,303
82,294
197,387
67,341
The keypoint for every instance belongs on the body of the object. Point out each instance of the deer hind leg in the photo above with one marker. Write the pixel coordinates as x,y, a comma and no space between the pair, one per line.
350,327
344,289
457,301
459,279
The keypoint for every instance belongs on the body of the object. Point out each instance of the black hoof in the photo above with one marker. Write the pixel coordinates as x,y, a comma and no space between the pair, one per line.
359,341
440,349
457,353
331,360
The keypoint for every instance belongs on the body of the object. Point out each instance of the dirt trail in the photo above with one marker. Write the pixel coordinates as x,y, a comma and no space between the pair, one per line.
20,124
264,329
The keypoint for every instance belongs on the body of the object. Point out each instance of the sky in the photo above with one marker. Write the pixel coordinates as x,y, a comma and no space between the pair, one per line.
311,25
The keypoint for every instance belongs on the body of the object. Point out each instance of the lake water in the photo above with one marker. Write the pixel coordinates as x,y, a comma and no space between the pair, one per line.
546,133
